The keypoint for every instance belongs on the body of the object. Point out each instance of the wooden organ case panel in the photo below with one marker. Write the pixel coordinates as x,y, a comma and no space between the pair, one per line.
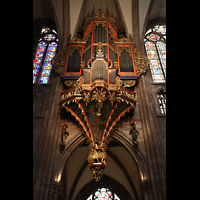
100,32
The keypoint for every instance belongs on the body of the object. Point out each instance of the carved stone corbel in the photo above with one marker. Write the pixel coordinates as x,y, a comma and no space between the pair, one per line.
146,190
54,189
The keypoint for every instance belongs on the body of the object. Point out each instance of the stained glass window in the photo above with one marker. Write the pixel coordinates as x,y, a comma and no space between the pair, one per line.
45,52
153,37
38,59
160,29
161,46
162,101
155,45
155,67
45,29
103,194
116,197
90,197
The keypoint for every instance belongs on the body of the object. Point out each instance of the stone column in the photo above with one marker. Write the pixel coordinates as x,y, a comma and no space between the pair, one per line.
54,191
146,191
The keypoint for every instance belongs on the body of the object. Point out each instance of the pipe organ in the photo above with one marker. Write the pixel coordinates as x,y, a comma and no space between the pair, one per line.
100,71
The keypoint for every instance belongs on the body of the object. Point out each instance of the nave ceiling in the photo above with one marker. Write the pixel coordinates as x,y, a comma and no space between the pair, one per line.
122,168
68,15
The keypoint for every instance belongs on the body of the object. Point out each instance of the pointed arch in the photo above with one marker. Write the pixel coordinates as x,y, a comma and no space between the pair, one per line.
137,157
75,142
107,182
119,163
79,139
39,55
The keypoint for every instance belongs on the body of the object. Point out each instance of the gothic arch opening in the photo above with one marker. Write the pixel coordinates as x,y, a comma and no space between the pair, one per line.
121,174
106,182
124,172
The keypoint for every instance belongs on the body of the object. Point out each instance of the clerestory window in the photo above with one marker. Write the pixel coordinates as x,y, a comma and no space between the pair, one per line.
155,45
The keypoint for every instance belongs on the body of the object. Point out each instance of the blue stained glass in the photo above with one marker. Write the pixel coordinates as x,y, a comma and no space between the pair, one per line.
37,60
51,54
39,54
53,44
35,72
47,66
47,60
45,72
52,48
43,79
156,71
42,44
34,79
36,66
41,48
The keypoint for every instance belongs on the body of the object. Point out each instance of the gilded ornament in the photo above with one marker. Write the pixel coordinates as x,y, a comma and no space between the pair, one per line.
76,40
129,83
59,61
141,61
79,83
69,83
118,82
82,65
88,35
123,40
113,38
73,48
116,65
97,159
103,23
127,48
